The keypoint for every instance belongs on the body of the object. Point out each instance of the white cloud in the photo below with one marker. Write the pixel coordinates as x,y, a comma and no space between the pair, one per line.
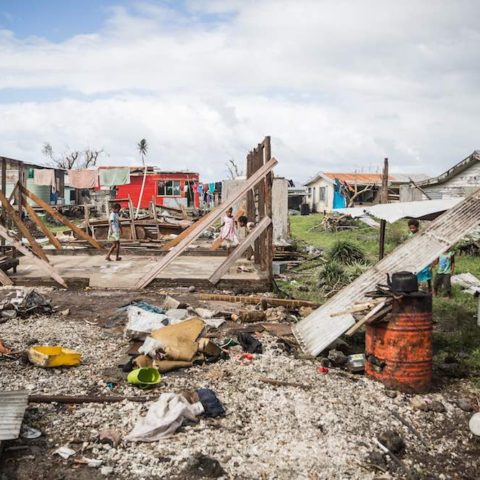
338,85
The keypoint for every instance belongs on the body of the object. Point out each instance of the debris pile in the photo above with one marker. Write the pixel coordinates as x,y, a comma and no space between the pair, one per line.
24,302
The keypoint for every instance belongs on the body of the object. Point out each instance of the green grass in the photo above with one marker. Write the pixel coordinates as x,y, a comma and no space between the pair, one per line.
308,230
455,332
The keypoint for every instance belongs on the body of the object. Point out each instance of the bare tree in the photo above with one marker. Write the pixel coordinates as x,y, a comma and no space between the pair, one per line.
233,169
352,194
71,159
91,157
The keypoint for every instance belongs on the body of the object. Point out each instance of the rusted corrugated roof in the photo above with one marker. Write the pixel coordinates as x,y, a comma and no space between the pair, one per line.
363,178
12,409
320,329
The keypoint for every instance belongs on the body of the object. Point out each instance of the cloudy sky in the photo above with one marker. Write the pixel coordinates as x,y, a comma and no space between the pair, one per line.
338,84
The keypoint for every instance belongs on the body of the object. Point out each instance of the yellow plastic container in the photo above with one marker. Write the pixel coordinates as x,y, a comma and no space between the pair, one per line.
53,356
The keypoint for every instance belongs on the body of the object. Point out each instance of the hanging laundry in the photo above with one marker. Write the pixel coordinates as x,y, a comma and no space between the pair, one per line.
83,178
200,189
110,177
211,187
44,176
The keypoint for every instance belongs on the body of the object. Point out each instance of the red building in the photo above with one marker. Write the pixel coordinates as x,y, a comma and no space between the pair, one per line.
169,189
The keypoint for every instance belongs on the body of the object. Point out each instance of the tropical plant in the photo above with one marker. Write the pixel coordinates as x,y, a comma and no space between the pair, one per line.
346,252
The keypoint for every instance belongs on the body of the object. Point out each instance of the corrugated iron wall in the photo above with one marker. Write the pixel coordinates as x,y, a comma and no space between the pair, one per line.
319,329
12,409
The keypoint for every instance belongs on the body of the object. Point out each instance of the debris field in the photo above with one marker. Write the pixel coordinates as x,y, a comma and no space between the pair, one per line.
287,415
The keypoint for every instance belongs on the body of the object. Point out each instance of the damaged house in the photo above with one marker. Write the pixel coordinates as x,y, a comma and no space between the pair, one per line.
458,181
329,191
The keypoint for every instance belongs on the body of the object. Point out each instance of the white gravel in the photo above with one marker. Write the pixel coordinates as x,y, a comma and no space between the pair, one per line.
324,432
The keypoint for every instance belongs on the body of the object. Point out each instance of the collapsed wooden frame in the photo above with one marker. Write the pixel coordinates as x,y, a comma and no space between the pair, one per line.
194,231
35,252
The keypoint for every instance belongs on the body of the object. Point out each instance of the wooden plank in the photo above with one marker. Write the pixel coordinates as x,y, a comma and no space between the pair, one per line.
58,216
255,300
208,220
239,250
367,317
175,241
41,263
23,229
46,231
4,278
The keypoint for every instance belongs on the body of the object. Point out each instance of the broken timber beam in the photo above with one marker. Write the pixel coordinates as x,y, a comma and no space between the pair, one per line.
239,250
22,228
5,279
46,231
255,300
200,226
58,216
40,262
319,329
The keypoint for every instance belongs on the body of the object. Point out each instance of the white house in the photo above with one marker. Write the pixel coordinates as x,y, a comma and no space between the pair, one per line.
326,190
458,181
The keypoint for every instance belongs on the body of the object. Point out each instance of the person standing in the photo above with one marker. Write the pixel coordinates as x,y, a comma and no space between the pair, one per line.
114,231
445,270
424,276
228,233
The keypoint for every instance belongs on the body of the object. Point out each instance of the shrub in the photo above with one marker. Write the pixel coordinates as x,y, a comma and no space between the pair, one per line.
346,252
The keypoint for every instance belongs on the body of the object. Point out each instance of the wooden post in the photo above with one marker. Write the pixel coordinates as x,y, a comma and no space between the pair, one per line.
4,190
133,230
268,212
86,218
155,217
383,199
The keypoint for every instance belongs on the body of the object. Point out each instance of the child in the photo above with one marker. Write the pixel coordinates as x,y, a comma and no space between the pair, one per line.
445,270
424,276
228,233
114,230
245,226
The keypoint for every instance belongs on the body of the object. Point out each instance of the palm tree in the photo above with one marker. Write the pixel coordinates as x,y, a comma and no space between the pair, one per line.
143,149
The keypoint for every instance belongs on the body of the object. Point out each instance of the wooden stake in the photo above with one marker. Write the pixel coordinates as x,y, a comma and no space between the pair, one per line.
383,199
154,214
58,216
40,262
239,250
23,229
133,230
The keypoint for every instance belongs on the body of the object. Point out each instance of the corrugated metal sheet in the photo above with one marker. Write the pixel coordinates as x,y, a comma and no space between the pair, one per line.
391,212
319,329
12,409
